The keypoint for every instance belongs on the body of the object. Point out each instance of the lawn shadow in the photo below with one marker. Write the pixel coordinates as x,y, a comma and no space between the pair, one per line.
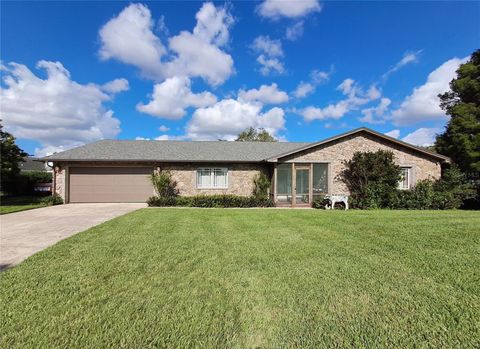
4,267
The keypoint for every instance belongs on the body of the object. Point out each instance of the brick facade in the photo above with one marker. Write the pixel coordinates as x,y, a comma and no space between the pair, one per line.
422,166
241,175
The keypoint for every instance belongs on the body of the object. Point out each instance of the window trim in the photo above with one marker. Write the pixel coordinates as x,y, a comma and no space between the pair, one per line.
409,178
212,177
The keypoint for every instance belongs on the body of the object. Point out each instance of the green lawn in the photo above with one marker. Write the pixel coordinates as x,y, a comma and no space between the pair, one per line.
19,203
227,278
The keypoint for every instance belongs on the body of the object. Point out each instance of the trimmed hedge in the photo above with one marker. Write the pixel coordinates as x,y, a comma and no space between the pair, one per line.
209,201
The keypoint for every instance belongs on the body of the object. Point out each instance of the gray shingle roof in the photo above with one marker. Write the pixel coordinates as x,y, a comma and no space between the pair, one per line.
206,151
178,151
32,164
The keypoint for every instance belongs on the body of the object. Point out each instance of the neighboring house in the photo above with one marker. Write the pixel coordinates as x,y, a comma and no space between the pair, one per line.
33,164
118,171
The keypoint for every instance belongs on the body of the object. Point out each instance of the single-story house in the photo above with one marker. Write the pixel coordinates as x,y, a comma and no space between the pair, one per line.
33,164
118,170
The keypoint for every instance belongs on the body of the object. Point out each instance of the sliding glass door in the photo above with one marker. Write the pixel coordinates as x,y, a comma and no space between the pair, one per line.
302,181
284,184
299,184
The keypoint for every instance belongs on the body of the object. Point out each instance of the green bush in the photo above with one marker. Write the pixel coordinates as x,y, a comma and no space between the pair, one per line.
261,186
164,184
52,200
449,192
210,201
372,178
24,182
320,203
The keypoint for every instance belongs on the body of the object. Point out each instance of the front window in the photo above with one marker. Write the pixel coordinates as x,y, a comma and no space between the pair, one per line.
405,180
212,178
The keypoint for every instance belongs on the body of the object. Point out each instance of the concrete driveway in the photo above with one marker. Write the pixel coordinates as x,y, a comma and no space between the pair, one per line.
24,233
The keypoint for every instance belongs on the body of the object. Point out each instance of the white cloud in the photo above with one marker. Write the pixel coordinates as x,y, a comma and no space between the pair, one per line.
116,86
162,26
199,53
275,9
266,94
374,115
346,86
170,99
355,97
270,51
319,77
422,136
196,57
213,24
270,65
408,58
129,38
295,31
423,104
159,138
271,47
393,133
56,111
164,128
305,88
228,117
332,111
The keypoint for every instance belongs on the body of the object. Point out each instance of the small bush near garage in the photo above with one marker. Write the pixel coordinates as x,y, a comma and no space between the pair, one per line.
210,201
52,200
164,184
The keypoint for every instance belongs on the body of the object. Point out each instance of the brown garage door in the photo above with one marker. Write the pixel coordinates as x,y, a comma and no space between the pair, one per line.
110,184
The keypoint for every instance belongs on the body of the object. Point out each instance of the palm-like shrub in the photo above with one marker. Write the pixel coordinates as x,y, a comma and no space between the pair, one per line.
261,185
164,184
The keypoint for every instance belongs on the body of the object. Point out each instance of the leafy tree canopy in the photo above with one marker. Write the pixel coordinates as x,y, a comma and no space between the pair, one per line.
461,139
255,135
11,156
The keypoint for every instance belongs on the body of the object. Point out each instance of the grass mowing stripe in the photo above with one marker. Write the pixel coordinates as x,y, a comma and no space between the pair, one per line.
252,278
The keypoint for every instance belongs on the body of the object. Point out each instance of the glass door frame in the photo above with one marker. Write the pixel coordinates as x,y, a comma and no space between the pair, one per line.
302,166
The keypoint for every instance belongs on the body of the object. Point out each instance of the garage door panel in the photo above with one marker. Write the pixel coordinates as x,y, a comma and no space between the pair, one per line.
110,184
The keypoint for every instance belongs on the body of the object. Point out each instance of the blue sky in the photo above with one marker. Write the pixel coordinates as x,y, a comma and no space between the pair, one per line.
75,72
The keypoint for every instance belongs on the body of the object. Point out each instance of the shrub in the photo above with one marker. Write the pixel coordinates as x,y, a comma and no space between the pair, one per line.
320,203
261,186
372,178
54,199
164,184
210,201
449,192
453,189
24,182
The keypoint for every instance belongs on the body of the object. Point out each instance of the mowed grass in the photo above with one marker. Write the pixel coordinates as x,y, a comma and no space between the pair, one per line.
19,203
227,278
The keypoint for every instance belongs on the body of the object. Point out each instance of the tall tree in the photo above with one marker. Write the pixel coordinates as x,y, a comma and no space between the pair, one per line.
255,135
461,139
11,156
